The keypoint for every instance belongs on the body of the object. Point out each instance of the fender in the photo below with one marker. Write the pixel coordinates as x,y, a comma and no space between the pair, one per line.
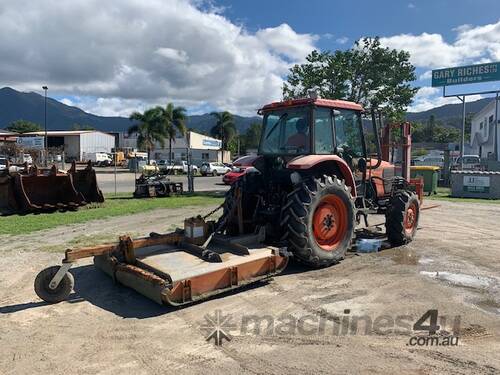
310,161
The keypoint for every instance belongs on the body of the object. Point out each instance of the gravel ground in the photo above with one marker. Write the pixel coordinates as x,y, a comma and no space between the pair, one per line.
452,266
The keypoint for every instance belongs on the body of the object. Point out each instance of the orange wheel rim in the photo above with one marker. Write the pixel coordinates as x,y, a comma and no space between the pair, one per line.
330,222
410,218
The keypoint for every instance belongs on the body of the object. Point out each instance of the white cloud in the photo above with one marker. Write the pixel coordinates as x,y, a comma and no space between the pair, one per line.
426,75
342,40
284,40
472,44
122,55
430,97
172,53
411,6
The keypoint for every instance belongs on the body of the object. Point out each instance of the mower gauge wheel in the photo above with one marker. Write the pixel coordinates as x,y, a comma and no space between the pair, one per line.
58,294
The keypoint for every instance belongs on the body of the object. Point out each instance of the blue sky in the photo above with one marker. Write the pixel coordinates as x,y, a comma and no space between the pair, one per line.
338,24
126,55
361,18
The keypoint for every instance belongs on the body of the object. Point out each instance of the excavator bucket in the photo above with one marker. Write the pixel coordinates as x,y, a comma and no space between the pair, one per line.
38,190
85,182
46,190
8,203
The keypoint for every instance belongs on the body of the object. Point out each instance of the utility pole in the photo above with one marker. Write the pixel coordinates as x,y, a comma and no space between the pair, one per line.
190,176
46,148
496,128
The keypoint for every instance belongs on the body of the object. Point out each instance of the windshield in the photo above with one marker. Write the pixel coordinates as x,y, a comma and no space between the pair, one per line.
286,132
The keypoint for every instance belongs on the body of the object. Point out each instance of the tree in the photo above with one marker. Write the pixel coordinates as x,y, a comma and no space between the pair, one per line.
174,119
252,136
76,126
23,126
150,129
368,73
224,128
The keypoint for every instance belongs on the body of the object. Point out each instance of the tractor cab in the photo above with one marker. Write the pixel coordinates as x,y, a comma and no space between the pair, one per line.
314,127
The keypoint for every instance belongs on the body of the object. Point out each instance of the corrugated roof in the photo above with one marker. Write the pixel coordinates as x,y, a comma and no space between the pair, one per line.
62,133
6,133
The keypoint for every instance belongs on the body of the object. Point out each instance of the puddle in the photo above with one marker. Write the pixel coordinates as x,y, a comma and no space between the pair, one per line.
459,279
425,261
489,305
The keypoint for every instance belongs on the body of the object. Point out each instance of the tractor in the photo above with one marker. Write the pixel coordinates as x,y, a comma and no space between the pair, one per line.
314,180
319,173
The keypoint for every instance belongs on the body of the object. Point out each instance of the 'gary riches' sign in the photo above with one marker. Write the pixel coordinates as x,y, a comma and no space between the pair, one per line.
466,74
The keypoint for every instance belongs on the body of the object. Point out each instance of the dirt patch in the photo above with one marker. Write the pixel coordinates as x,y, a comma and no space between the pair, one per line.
107,328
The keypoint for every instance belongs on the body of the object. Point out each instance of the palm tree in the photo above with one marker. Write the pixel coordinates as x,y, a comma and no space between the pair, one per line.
174,119
224,127
149,129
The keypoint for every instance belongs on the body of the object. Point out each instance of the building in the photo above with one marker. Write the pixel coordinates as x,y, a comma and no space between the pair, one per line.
482,136
7,136
76,144
203,148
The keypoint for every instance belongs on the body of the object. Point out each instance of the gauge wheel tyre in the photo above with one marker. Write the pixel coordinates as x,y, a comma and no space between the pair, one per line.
401,219
319,221
58,294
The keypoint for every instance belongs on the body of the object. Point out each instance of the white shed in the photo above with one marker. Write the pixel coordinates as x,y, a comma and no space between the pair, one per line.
78,143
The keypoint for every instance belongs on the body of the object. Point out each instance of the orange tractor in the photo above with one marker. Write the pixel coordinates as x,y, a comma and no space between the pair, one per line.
311,183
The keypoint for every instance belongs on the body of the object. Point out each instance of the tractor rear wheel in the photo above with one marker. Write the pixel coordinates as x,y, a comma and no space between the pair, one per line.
319,221
401,219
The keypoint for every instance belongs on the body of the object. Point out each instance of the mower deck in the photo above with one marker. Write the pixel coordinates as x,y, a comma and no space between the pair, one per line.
169,269
174,275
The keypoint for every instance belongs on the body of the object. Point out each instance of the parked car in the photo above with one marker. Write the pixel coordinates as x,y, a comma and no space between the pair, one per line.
184,166
27,159
230,177
176,167
213,169
240,167
3,163
429,160
470,162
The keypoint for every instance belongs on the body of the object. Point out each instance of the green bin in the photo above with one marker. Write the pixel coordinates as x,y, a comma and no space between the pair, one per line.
430,175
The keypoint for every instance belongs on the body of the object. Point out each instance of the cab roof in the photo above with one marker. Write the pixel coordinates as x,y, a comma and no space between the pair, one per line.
329,103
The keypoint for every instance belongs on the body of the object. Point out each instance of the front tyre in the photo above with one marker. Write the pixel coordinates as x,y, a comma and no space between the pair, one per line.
401,219
319,221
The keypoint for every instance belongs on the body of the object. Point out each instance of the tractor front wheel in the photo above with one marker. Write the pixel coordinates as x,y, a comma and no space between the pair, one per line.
401,219
319,221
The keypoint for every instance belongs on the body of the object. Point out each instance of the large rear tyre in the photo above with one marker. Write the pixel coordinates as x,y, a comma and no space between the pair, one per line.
401,219
58,294
319,221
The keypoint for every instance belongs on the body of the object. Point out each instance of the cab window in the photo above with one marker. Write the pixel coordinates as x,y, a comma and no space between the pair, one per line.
348,133
323,132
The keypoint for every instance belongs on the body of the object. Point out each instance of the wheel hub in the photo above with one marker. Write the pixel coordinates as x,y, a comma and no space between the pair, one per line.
330,222
410,218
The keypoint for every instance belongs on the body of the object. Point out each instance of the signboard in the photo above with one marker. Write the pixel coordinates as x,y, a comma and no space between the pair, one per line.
212,143
466,74
31,142
477,184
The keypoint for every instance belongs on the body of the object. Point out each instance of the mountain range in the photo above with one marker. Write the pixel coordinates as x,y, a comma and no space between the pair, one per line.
16,105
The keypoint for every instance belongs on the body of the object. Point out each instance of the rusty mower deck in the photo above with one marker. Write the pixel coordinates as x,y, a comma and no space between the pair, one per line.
168,269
